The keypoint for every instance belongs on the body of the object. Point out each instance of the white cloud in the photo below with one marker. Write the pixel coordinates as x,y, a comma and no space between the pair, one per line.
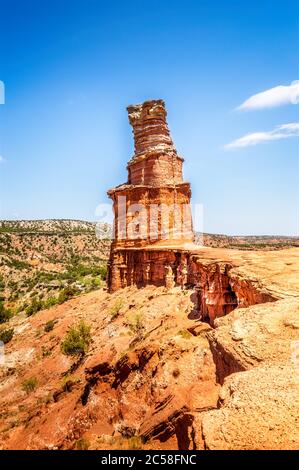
2,159
276,96
279,132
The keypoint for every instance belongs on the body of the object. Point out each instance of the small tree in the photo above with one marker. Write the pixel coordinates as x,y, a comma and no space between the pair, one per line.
6,335
34,307
5,314
77,340
115,309
29,385
49,326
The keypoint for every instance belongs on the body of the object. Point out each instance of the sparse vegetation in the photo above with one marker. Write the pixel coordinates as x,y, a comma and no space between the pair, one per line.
29,385
46,352
77,340
5,314
185,334
34,307
115,309
6,335
67,293
136,324
134,443
120,442
49,326
74,256
50,302
82,444
68,382
18,264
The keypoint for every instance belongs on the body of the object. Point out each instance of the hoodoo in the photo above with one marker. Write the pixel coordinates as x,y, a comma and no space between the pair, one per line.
152,210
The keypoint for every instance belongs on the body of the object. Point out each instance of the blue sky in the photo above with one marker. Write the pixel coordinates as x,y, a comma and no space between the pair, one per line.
71,67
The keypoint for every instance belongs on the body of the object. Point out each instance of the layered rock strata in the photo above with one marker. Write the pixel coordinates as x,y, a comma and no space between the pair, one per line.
153,207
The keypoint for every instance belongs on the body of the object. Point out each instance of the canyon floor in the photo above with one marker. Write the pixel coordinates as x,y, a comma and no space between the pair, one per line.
156,376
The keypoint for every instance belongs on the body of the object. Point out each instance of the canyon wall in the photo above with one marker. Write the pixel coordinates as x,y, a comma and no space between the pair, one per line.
216,290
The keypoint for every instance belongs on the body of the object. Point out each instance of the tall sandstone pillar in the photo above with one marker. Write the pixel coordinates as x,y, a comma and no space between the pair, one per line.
153,207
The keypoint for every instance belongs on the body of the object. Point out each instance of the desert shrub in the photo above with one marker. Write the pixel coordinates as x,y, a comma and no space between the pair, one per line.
77,340
6,335
68,382
115,309
17,264
49,326
103,271
50,302
134,443
46,352
176,372
82,444
136,325
96,282
76,271
5,314
67,293
35,306
29,385
185,334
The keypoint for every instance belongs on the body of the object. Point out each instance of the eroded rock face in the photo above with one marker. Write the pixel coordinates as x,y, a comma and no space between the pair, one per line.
215,287
249,337
150,128
255,350
155,161
259,409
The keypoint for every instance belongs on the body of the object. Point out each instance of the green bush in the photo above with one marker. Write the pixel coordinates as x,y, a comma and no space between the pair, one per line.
49,326
17,264
29,385
77,340
185,334
136,325
35,306
67,293
50,302
103,271
5,314
115,309
6,335
82,444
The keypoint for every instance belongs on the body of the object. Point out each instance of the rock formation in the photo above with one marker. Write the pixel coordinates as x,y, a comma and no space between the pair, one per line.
153,238
153,208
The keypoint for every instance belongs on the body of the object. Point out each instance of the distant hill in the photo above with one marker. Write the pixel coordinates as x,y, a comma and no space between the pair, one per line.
250,242
41,260
47,225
